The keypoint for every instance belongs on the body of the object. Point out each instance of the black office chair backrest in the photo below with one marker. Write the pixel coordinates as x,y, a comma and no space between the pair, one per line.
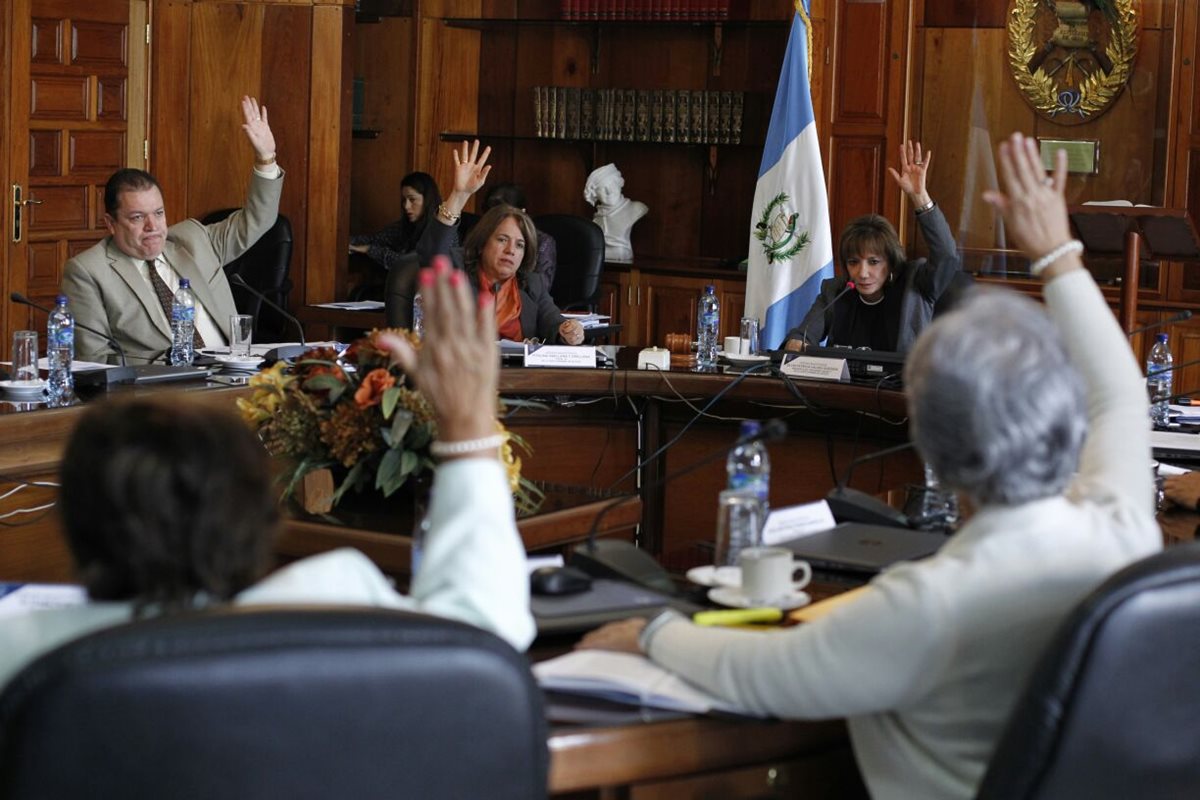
1112,708
265,266
399,290
276,703
580,259
960,286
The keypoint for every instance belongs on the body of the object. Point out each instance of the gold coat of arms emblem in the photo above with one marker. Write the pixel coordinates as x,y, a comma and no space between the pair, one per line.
1071,58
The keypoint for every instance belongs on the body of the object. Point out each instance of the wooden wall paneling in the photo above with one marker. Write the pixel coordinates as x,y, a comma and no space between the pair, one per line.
227,63
170,107
447,85
856,164
6,115
326,194
384,58
968,106
863,45
138,86
295,56
965,13
667,305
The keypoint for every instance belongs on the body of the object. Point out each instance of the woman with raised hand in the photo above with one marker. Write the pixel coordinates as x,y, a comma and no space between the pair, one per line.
893,298
500,259
170,506
928,661
430,225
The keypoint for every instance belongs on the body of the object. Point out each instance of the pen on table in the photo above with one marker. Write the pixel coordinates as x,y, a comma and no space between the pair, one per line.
737,616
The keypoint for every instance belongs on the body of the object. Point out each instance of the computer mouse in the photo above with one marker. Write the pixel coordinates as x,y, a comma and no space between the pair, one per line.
551,581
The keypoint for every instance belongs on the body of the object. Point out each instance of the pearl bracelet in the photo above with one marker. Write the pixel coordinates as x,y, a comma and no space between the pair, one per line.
1067,247
442,449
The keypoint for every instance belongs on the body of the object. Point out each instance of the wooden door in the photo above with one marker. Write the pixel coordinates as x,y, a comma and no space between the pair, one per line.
77,93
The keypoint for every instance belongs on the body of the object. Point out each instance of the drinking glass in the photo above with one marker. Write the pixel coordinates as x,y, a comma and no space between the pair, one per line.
25,357
740,517
749,336
241,334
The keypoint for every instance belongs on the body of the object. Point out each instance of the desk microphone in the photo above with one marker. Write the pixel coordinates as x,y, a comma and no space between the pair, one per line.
624,560
804,333
851,505
17,297
238,280
1171,320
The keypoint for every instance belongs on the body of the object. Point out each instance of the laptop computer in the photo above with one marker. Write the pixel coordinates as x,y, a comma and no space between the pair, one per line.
863,549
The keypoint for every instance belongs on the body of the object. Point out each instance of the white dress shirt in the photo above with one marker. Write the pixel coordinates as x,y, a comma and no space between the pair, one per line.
206,326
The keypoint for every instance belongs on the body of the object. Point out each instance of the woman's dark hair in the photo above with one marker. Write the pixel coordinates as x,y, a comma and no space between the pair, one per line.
427,187
483,230
871,234
166,501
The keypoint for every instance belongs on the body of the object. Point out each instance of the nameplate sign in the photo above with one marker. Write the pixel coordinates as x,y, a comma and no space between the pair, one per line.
816,369
557,355
792,522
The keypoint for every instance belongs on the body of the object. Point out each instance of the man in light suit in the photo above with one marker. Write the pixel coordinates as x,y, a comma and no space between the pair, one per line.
122,284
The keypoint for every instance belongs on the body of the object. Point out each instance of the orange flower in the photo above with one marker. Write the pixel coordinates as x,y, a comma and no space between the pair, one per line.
374,384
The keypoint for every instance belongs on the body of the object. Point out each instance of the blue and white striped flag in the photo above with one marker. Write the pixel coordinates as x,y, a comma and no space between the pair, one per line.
791,248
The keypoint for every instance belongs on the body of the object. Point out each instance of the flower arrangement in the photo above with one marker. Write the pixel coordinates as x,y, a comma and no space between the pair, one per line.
357,412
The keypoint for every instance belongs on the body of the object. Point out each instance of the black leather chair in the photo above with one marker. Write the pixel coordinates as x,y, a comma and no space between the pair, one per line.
580,260
276,703
265,266
399,289
962,283
1112,709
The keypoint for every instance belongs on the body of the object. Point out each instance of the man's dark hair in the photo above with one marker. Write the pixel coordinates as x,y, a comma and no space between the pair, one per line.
505,194
166,503
126,180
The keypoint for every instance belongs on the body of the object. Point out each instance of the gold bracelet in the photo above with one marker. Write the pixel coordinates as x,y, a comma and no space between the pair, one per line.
260,162
442,212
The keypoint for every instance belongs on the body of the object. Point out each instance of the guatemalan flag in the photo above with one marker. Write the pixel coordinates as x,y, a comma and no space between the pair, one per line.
791,249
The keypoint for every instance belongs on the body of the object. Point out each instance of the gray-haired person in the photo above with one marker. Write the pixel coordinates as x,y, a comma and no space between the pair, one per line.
928,660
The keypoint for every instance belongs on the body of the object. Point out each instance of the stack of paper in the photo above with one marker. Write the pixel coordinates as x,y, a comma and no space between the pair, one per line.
626,678
588,320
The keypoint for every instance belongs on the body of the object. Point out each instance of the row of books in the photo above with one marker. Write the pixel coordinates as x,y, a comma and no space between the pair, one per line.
664,10
638,115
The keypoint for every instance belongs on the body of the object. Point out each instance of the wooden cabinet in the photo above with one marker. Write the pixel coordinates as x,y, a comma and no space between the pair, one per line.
650,302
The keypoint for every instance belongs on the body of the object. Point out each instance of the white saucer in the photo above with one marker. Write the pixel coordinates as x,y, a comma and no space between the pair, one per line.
744,361
732,596
709,575
23,389
238,361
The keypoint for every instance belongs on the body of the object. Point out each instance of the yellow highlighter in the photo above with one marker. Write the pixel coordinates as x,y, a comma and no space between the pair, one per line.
739,616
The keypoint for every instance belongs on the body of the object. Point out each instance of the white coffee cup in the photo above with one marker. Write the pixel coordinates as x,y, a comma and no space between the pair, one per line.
733,345
769,574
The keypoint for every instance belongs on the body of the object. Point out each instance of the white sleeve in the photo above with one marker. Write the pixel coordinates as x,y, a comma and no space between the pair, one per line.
1116,454
473,561
822,669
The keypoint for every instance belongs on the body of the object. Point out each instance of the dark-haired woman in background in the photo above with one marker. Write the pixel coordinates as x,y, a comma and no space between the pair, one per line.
413,232
500,257
893,297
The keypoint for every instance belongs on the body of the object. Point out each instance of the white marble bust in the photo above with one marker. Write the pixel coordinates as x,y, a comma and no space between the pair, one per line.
615,213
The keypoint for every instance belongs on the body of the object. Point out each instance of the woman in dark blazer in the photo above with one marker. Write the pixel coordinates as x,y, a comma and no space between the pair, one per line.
500,258
893,298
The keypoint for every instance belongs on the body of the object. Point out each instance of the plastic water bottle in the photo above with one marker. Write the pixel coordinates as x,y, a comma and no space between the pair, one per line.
708,326
60,352
183,324
748,466
1158,380
418,320
939,506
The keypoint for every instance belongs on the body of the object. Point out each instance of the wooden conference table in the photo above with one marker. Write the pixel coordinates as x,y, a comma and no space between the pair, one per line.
595,426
